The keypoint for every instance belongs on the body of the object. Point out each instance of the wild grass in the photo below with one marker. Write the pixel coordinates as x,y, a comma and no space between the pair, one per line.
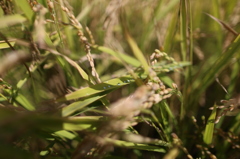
119,79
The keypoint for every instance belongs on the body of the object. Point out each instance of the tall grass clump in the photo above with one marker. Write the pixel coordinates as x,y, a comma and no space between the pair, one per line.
119,79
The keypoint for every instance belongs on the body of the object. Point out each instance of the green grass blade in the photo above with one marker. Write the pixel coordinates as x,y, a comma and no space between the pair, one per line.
24,102
25,7
78,123
221,62
208,134
73,63
77,106
120,56
159,13
11,20
65,134
137,52
133,145
183,29
98,88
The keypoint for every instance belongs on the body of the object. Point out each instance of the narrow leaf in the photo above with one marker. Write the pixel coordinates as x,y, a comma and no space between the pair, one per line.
105,86
208,134
120,56
25,7
11,20
76,106
137,52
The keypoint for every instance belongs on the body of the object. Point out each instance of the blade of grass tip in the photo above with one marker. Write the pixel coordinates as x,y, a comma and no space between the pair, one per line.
133,45
209,130
227,27
137,52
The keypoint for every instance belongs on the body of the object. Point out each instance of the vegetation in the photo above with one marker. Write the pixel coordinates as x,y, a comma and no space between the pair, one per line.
119,79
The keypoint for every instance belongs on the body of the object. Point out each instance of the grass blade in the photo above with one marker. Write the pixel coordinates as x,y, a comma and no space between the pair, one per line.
11,20
98,88
137,52
221,62
208,134
132,145
25,7
120,56
76,106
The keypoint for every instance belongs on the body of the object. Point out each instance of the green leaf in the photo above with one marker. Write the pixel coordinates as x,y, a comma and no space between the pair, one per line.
209,75
120,56
78,123
11,20
65,134
135,145
208,134
76,106
25,7
98,88
137,52
24,102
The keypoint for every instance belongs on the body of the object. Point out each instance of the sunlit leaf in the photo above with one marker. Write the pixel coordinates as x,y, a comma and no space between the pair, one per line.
208,134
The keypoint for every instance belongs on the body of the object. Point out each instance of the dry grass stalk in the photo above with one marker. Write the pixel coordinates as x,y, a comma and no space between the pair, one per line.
39,25
7,7
83,39
229,107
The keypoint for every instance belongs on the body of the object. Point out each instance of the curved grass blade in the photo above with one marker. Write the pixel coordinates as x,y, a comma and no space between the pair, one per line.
209,75
24,102
120,56
208,134
137,52
76,106
25,7
82,123
98,88
73,63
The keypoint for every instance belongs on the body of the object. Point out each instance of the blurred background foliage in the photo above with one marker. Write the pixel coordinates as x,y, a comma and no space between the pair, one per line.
64,65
